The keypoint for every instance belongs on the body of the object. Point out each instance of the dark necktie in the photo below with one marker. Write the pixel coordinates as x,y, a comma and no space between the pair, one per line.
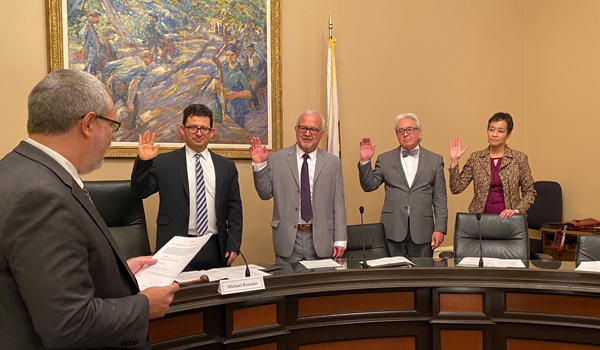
406,153
201,210
306,212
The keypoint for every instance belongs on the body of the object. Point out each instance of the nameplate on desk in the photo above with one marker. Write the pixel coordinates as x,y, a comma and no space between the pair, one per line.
241,285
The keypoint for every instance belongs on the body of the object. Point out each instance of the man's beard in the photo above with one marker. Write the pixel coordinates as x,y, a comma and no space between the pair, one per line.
95,157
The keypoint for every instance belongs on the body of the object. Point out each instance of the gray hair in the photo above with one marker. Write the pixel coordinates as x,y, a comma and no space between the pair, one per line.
310,111
62,98
410,116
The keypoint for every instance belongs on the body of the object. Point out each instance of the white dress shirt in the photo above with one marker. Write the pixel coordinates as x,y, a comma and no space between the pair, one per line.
410,164
69,167
312,161
210,184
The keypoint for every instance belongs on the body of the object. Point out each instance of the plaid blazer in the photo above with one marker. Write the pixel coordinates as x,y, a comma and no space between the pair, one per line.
514,174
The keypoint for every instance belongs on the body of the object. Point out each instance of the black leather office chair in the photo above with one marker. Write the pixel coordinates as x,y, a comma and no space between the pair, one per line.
588,248
500,238
546,208
375,242
123,214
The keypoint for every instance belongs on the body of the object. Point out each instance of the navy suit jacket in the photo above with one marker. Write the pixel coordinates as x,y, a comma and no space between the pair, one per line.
167,174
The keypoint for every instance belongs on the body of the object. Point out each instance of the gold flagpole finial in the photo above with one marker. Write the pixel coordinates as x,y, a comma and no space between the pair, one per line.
330,26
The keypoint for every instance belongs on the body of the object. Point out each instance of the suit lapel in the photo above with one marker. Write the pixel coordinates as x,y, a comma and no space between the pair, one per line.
423,157
218,176
39,156
319,163
180,159
484,161
508,157
397,163
293,163
87,204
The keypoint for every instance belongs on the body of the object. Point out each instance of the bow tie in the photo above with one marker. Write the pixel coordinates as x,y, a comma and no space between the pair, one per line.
406,153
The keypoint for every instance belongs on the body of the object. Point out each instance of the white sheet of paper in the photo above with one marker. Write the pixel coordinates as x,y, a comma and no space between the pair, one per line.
188,276
589,266
230,272
240,267
491,262
389,261
514,263
234,272
474,262
317,264
172,258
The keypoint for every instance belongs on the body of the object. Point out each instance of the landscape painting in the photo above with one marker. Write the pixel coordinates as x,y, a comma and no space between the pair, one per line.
156,57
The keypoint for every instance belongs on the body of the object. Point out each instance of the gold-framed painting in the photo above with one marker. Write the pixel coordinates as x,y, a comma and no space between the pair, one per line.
157,57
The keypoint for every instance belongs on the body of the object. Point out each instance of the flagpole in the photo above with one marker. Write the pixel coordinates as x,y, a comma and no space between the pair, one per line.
330,26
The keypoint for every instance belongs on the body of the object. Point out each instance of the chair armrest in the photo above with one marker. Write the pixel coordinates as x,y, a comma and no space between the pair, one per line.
449,255
544,257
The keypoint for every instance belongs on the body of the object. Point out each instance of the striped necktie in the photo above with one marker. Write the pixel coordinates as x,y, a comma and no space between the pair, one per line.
201,212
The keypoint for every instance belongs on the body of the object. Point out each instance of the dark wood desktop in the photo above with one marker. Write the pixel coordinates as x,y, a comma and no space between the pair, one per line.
432,306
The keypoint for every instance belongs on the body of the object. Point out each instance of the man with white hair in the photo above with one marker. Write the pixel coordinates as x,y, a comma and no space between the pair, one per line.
64,283
301,178
415,190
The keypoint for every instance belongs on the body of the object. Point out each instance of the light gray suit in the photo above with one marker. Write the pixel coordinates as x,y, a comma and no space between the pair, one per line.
63,281
280,180
426,196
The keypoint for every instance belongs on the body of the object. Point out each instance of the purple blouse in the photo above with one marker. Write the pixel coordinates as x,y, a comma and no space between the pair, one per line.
495,202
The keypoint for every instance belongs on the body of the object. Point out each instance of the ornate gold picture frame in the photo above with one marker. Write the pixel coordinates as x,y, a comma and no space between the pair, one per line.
158,57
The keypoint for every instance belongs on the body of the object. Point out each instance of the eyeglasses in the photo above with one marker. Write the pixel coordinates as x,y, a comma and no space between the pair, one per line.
303,129
194,129
114,125
409,131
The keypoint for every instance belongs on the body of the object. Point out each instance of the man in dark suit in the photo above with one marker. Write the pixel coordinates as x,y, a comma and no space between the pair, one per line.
199,190
63,281
415,190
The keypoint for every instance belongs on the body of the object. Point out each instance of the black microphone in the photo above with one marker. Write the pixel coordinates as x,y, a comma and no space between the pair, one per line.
478,216
361,209
226,228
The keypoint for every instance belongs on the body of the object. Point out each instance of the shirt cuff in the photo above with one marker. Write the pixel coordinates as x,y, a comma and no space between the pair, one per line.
258,166
340,244
363,163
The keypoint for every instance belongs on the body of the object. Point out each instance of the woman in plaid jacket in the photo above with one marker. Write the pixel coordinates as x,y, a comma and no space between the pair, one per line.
501,176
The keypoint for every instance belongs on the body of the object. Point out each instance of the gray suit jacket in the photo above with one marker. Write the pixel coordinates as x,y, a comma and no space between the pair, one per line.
63,281
280,180
426,197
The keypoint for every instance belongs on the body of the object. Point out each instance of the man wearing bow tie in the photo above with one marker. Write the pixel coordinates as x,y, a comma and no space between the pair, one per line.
415,190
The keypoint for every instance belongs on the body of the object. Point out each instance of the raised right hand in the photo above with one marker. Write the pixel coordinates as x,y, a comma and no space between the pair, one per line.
159,299
367,149
455,149
258,152
146,148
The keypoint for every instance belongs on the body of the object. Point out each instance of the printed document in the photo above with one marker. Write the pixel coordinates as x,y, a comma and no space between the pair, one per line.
491,262
589,266
172,259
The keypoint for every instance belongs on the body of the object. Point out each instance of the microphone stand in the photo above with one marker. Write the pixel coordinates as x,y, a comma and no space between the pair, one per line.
361,209
478,216
226,228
